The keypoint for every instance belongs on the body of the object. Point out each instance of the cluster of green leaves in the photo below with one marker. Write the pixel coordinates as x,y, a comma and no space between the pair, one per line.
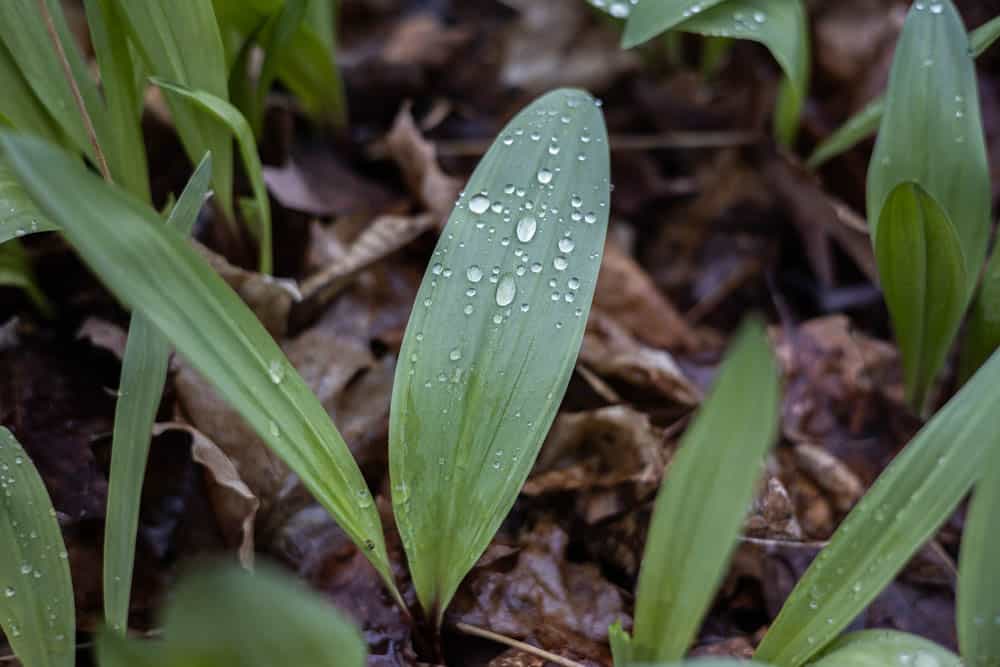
684,558
182,53
780,25
929,191
486,359
219,616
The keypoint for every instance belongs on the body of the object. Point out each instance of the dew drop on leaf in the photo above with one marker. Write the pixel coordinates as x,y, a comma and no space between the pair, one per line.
506,290
526,229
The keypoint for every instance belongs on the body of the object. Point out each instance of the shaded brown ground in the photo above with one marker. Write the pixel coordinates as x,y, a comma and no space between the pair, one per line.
710,221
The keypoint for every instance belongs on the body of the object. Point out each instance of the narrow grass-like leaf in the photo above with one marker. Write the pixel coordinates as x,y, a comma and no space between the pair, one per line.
865,123
153,269
19,215
37,613
29,45
307,64
780,25
922,269
19,107
691,533
222,617
143,374
123,144
978,584
15,271
277,35
912,498
931,135
878,648
494,336
235,123
185,48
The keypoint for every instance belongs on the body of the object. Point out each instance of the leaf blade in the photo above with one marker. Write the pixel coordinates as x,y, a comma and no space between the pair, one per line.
691,537
912,497
874,648
37,613
491,348
143,375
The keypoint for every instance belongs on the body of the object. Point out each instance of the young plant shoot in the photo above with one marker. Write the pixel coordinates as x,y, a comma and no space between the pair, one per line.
929,191
693,532
494,336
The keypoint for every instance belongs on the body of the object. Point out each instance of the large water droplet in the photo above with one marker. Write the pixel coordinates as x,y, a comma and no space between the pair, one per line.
506,290
566,245
474,274
526,229
544,176
479,204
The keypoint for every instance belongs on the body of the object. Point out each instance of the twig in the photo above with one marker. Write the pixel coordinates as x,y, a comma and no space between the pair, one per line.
513,643
102,163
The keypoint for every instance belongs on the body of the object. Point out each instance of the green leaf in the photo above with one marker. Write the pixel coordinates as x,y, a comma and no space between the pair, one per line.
877,648
982,329
123,144
906,505
698,662
307,64
30,47
37,613
621,644
235,123
153,269
143,374
978,586
222,616
18,105
277,38
692,534
780,25
931,136
494,336
863,124
922,269
19,215
185,48
16,271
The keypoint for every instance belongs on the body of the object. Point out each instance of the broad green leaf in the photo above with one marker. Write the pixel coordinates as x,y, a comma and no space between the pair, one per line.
153,269
932,136
18,105
143,374
222,617
123,143
780,25
307,65
29,45
902,510
878,648
978,585
692,533
494,336
865,123
185,48
16,271
700,662
37,613
922,269
235,123
19,215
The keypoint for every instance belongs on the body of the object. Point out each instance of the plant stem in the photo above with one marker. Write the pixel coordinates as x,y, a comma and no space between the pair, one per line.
102,163
513,643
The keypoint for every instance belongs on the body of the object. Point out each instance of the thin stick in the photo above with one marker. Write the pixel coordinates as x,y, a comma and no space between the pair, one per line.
513,643
102,163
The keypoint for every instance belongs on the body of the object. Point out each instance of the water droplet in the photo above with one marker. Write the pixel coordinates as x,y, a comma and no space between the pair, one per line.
9,592
566,245
273,427
573,283
437,269
479,204
560,263
526,229
590,218
455,354
506,290
925,659
936,8
525,307
575,202
276,370
544,176
26,568
536,268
